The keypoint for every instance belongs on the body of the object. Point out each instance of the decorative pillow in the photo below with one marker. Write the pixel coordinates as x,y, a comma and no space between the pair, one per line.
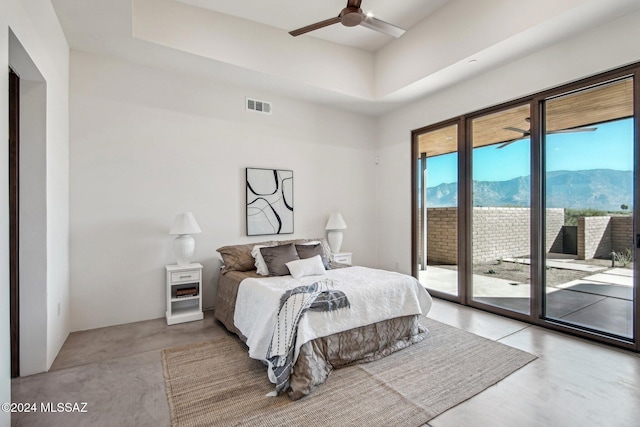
276,258
238,257
261,266
306,267
321,240
311,249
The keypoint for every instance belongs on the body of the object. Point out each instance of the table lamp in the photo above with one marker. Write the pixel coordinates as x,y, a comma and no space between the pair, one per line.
184,245
335,225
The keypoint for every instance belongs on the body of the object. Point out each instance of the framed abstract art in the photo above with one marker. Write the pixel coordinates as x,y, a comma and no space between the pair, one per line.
269,201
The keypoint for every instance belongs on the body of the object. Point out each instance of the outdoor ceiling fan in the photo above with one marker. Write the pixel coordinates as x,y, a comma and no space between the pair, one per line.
351,16
527,133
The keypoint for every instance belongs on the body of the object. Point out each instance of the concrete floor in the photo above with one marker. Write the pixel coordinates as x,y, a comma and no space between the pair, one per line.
118,372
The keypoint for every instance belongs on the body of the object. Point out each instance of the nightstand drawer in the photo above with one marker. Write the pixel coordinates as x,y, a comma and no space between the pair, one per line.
342,258
185,276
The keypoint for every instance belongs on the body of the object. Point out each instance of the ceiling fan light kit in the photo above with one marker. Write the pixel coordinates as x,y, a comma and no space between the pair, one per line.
352,16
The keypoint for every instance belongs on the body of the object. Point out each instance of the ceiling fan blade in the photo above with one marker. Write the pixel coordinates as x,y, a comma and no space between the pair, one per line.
505,143
522,131
381,26
573,130
354,3
315,26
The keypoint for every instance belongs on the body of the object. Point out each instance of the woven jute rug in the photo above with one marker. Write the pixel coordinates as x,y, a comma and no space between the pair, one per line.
215,383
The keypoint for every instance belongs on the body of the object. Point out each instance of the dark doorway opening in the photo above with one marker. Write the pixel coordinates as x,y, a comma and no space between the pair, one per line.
14,185
570,239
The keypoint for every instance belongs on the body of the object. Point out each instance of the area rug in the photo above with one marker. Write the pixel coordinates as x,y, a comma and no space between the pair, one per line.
215,383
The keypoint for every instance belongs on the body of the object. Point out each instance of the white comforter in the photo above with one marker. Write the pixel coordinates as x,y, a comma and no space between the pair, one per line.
374,295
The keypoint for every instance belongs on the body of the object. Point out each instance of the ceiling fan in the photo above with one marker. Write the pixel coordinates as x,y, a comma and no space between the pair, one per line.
527,133
351,16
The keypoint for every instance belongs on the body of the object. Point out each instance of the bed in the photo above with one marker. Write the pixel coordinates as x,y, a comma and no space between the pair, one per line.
343,315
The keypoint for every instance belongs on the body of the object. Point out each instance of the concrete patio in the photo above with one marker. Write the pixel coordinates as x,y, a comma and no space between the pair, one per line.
602,301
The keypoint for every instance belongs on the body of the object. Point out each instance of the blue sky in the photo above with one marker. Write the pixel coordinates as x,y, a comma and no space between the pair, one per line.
608,147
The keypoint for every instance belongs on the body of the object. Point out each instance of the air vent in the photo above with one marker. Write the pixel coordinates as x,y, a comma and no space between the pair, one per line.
258,106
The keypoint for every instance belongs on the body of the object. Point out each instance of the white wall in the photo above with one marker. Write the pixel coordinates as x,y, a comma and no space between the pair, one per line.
35,25
5,333
600,49
147,144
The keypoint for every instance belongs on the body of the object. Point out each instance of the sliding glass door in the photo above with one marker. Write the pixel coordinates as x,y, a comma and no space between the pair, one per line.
589,180
437,210
527,209
501,210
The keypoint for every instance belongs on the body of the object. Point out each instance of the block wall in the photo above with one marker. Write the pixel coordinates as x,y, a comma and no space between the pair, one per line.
594,237
497,233
621,233
598,236
442,236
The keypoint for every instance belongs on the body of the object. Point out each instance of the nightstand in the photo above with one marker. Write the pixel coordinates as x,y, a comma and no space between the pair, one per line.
184,293
342,258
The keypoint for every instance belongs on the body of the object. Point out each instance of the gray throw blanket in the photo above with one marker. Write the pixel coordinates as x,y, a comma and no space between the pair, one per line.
318,296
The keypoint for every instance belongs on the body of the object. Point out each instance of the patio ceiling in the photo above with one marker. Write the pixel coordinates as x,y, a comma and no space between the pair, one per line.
603,103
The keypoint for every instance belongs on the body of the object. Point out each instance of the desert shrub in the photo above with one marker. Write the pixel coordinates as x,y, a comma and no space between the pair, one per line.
571,215
623,258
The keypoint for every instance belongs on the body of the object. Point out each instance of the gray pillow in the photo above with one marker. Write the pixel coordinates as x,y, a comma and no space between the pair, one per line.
309,251
276,258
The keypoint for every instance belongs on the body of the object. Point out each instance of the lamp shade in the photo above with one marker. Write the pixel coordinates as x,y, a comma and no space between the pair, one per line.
185,223
336,222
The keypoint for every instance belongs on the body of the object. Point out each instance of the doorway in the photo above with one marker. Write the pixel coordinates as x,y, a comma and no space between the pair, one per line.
14,217
28,256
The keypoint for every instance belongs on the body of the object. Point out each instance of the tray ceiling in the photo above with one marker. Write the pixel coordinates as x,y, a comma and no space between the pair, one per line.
246,43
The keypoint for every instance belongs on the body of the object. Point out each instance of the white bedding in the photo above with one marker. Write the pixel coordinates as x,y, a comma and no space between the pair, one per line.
374,295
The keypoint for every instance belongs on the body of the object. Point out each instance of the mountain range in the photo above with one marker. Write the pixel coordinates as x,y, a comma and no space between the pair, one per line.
601,189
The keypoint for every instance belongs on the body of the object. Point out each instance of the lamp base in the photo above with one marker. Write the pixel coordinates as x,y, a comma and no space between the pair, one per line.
183,248
335,240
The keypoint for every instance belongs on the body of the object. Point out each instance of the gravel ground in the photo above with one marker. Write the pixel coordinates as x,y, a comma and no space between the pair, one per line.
520,272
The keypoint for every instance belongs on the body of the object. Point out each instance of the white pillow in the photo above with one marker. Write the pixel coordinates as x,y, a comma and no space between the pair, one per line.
306,267
261,266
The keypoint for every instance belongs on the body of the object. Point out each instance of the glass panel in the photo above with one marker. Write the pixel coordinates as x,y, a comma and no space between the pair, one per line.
589,175
501,213
438,210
